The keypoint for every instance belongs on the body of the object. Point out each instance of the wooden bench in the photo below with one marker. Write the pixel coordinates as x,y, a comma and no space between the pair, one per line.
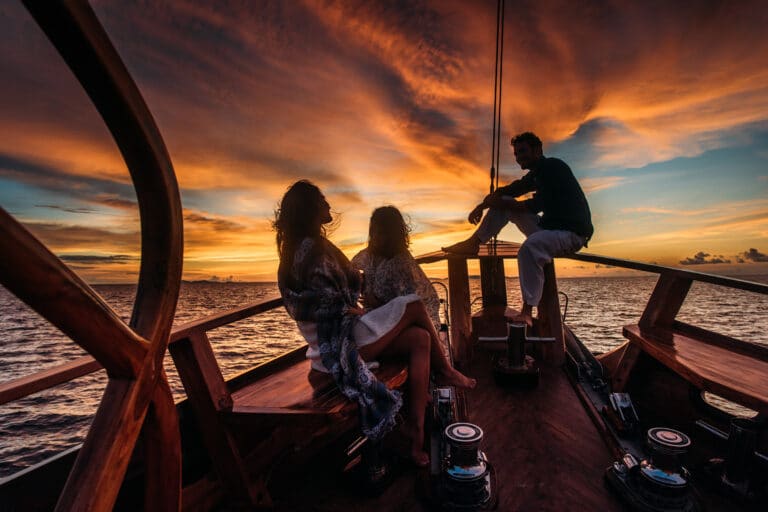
732,369
277,407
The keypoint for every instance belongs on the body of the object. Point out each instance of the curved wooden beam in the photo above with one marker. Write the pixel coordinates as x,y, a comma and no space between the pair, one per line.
97,475
36,276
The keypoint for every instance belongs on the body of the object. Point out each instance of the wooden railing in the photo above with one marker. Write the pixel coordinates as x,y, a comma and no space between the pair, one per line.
48,378
661,310
662,307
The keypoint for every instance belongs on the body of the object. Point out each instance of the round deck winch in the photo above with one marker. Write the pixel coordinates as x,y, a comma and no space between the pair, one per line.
663,471
461,478
466,481
659,483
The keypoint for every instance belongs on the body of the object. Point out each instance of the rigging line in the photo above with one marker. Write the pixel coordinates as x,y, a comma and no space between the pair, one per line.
497,90
500,30
495,96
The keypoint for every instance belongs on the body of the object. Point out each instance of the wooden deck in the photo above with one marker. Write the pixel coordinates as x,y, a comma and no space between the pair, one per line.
546,452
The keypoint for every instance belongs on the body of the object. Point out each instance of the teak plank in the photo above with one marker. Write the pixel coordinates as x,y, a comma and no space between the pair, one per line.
547,452
299,387
735,376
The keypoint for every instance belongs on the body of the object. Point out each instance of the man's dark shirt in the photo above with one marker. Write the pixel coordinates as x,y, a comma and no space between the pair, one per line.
557,195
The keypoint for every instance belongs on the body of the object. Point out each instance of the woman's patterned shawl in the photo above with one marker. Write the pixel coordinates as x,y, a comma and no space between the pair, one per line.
319,287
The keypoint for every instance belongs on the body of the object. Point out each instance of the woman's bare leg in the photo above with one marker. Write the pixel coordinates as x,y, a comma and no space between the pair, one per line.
413,343
439,359
416,315
415,337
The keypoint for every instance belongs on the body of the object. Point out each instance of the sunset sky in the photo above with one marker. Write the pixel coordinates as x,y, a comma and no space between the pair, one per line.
660,108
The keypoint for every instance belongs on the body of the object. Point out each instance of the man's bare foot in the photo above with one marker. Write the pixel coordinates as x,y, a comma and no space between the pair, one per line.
470,247
453,377
525,316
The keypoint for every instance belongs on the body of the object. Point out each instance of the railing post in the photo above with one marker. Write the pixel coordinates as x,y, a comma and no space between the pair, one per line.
209,396
665,302
492,282
550,320
458,285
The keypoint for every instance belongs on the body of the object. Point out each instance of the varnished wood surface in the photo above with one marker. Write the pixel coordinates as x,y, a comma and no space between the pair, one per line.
48,378
736,376
65,372
547,454
298,387
502,250
131,354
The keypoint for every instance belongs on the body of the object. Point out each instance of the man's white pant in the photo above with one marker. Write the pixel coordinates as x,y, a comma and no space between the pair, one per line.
538,249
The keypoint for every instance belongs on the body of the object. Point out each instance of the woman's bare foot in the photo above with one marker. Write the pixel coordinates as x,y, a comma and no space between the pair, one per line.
452,377
419,458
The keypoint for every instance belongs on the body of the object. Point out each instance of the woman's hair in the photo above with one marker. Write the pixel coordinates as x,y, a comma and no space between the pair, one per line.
297,216
388,232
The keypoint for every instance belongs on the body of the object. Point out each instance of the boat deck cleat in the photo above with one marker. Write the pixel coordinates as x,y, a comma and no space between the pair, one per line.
621,413
516,368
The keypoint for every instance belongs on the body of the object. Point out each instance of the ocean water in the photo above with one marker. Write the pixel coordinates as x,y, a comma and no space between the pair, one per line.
43,424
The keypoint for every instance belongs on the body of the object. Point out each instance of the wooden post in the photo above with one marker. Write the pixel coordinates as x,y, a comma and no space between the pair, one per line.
665,301
550,320
458,286
493,283
163,451
208,395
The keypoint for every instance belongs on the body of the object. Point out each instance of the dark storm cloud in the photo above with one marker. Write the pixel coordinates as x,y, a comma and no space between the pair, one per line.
214,223
702,257
94,260
754,255
85,188
57,236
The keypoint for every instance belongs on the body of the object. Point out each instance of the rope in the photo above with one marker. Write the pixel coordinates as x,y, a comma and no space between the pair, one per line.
497,81
496,133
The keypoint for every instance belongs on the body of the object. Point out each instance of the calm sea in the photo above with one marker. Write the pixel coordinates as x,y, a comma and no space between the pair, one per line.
46,423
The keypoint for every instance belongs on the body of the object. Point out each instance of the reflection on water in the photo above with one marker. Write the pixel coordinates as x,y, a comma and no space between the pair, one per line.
46,423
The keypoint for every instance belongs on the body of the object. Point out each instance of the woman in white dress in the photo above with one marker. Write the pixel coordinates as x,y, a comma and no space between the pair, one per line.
320,290
388,266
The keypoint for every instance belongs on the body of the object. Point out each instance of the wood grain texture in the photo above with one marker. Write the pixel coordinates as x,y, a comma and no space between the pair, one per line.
736,376
665,301
209,396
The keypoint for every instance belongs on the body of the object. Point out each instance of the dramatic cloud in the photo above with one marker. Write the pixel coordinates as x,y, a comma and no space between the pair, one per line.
701,257
660,108
95,259
754,255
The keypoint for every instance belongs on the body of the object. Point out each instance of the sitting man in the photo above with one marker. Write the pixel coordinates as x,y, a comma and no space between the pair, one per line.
564,227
